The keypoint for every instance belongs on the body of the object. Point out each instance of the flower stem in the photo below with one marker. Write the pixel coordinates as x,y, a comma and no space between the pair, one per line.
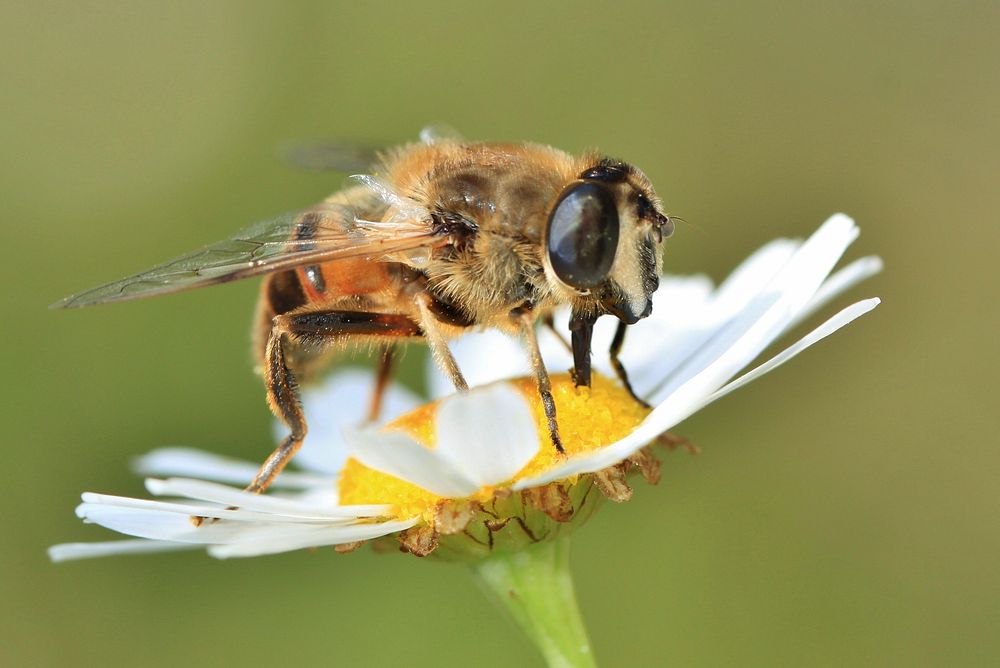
535,586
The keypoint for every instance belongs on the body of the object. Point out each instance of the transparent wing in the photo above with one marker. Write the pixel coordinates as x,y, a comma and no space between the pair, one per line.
329,232
439,132
331,155
341,155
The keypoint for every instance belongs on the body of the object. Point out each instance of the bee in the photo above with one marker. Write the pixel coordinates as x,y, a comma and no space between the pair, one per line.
444,236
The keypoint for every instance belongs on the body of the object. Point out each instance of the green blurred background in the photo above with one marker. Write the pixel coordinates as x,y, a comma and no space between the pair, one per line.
845,509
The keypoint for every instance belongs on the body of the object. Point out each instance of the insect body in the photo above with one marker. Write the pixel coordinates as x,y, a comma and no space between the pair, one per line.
448,236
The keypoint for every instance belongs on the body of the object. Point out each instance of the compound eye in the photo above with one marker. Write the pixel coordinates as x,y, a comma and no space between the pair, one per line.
582,235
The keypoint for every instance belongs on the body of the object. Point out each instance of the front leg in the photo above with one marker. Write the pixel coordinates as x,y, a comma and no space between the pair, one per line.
616,363
314,329
527,326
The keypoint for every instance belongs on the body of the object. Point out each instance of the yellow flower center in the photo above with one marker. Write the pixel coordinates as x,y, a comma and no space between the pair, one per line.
588,420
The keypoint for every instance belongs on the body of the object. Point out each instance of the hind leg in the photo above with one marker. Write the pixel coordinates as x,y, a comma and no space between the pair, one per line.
315,329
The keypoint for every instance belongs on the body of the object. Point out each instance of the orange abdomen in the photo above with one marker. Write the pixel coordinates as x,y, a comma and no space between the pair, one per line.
349,277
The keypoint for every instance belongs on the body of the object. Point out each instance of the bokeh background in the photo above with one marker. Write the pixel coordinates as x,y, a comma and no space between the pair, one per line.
845,509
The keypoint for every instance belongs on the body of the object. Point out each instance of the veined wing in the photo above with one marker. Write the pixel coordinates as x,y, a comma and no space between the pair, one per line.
328,232
331,155
341,155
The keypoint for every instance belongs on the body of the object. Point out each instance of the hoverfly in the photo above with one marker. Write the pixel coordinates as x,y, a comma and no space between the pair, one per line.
450,235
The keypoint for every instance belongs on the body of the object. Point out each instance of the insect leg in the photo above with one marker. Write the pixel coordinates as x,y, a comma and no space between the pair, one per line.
283,398
616,348
438,345
316,328
541,377
385,366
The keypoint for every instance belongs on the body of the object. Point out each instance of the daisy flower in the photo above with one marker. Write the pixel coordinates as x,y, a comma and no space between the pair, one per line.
474,476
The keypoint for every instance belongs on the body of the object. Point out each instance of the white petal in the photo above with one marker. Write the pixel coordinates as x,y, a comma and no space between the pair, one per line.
98,503
193,463
342,401
846,316
101,505
488,434
293,508
679,406
169,530
267,541
753,274
400,456
161,524
93,500
323,497
839,282
69,551
557,356
484,357
767,315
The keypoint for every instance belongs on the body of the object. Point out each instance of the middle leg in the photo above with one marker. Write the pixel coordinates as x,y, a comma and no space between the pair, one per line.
527,325
385,366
